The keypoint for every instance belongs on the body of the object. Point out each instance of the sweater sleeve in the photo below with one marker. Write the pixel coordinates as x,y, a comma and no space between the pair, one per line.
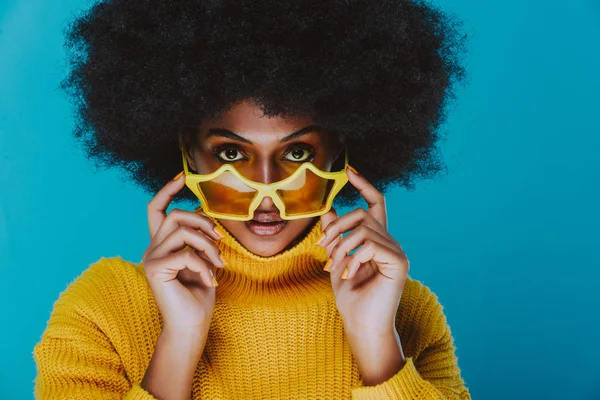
75,359
431,374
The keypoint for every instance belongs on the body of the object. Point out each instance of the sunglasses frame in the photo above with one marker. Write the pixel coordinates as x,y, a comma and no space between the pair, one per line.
192,180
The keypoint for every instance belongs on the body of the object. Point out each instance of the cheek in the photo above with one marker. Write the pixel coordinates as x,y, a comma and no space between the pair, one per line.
234,227
206,165
297,228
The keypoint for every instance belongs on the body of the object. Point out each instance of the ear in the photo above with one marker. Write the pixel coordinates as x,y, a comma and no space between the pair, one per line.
188,155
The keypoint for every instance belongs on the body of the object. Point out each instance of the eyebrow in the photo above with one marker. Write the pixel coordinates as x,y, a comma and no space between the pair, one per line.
222,132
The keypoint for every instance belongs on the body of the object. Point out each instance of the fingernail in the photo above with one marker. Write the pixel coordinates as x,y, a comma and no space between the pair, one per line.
345,273
222,260
351,168
321,239
178,176
327,265
219,231
213,280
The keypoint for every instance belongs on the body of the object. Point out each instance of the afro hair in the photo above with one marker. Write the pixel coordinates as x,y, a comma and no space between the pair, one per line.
144,72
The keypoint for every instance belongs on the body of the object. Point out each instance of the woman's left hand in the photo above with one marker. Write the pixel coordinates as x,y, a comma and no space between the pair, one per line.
369,296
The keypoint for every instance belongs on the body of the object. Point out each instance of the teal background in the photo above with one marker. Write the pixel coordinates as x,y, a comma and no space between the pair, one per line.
507,239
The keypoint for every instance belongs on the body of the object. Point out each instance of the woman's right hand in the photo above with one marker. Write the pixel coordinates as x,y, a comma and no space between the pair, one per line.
181,280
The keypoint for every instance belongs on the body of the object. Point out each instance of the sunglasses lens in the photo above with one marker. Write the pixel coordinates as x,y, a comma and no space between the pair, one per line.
307,193
226,194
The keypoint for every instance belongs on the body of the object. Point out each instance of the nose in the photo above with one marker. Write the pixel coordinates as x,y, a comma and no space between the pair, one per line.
267,205
266,171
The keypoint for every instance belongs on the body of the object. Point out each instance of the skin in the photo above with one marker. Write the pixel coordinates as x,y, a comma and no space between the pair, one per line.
367,284
266,159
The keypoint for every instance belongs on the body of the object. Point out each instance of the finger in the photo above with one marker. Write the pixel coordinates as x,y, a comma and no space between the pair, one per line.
336,274
218,226
350,221
184,235
355,239
201,212
380,254
374,198
165,269
326,220
157,207
178,217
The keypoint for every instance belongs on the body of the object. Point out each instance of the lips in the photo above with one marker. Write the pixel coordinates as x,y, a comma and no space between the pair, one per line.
266,224
265,217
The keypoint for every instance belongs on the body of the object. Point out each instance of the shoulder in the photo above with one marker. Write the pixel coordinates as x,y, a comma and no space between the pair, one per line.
420,319
103,284
104,276
416,295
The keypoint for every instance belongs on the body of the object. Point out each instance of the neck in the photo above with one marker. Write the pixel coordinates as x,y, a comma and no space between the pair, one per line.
298,268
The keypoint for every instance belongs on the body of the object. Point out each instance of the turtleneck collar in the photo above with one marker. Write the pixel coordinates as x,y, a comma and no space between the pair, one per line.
299,267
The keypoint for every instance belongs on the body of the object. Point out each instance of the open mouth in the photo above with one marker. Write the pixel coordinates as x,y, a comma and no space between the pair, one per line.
266,228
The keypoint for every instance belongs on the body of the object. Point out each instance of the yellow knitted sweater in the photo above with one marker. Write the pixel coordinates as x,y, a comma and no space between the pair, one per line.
275,334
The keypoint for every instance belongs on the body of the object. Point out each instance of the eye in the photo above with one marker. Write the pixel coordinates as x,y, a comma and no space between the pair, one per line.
229,155
299,154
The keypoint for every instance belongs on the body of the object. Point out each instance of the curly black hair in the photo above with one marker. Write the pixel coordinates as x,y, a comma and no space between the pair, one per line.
379,72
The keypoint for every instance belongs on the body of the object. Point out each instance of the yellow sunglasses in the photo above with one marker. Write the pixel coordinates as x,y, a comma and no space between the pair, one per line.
227,194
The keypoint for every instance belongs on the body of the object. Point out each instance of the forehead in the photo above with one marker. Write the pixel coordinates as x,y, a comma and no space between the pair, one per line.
248,120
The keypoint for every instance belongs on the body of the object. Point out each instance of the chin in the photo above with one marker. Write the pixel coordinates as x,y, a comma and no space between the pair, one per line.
267,240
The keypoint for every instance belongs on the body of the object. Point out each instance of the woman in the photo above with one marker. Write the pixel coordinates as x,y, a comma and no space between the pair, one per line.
257,294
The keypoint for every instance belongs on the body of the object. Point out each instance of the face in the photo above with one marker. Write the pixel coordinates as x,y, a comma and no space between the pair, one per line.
264,150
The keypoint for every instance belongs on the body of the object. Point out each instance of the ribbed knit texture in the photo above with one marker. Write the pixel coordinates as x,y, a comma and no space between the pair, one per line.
275,334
